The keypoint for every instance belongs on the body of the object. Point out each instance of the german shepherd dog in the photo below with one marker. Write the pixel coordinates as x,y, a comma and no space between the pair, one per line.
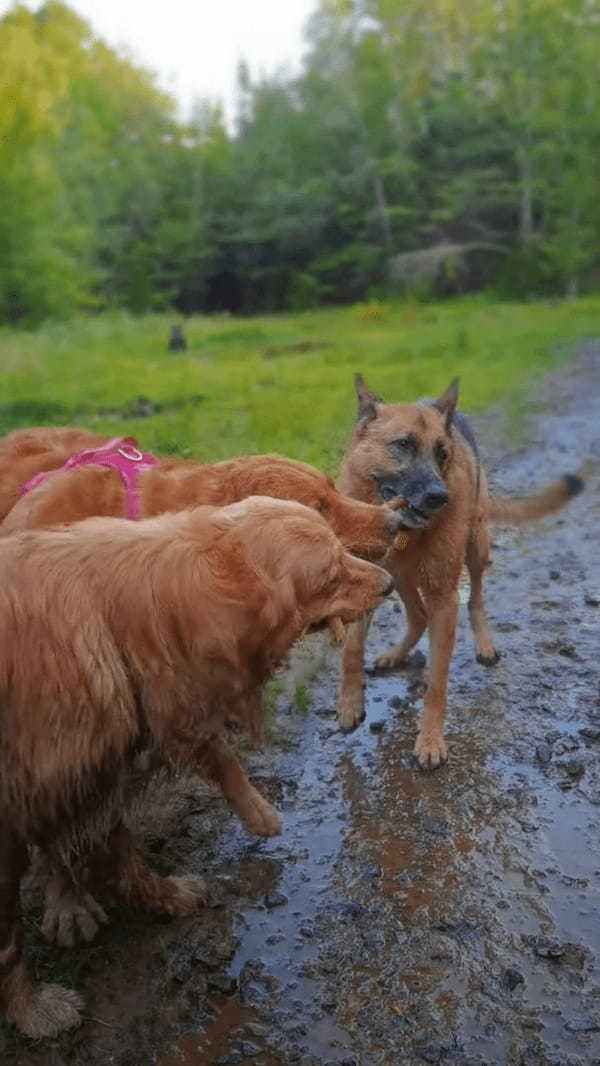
427,453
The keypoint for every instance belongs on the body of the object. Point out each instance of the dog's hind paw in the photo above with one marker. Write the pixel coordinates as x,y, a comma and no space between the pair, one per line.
391,659
46,1011
182,896
260,817
431,750
490,659
70,917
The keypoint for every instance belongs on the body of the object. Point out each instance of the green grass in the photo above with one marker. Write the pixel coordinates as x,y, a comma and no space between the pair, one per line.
302,697
278,383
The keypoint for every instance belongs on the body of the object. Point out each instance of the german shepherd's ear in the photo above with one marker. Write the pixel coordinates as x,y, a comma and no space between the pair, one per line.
367,401
446,403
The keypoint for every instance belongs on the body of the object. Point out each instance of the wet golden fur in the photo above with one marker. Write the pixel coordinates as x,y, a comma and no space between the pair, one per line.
120,638
427,569
173,485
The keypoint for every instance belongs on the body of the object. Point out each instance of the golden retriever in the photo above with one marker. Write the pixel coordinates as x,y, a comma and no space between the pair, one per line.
119,638
172,485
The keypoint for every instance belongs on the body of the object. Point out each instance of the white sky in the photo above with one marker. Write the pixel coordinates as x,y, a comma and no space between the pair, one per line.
194,46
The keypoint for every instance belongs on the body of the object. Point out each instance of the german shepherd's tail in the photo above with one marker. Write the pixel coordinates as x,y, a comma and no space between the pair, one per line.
538,505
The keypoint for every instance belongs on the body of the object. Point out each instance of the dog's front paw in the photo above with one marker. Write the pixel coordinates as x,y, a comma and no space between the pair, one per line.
45,1011
70,917
350,710
260,816
431,750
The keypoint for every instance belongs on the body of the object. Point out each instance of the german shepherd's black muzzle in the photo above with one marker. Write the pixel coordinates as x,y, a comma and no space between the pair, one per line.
425,494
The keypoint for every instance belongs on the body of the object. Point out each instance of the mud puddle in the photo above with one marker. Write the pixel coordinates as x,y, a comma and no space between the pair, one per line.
401,917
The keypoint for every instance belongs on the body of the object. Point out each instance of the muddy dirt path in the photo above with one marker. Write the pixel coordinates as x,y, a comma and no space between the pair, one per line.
401,917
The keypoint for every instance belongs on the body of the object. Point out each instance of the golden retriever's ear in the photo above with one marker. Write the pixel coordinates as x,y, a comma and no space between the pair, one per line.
280,604
367,400
446,403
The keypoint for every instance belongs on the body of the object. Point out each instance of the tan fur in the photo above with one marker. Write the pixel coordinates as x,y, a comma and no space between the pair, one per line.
428,569
531,508
117,638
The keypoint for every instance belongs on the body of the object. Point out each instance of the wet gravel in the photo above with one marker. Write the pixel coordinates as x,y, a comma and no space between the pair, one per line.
402,917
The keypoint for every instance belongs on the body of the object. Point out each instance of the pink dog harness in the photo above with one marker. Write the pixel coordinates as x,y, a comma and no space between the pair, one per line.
121,454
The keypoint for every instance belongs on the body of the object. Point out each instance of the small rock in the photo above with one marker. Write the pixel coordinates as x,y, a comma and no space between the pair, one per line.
575,767
591,598
543,753
350,911
549,949
374,871
409,762
256,1029
275,899
528,827
396,703
513,978
249,1050
554,575
439,827
377,725
590,732
430,1053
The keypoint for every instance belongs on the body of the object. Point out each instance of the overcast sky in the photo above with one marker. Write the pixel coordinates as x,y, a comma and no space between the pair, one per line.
195,45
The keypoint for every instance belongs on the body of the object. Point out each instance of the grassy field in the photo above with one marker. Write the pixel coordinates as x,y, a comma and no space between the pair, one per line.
281,382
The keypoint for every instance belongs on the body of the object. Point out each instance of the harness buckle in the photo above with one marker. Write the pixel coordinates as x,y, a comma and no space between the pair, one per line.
131,453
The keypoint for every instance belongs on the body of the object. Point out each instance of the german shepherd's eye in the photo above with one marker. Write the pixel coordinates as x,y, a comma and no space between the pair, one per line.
401,442
441,453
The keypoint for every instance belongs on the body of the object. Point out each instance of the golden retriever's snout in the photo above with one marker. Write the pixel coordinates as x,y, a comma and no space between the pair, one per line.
394,521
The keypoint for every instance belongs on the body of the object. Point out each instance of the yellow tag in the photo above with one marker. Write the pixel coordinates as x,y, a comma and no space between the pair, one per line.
401,541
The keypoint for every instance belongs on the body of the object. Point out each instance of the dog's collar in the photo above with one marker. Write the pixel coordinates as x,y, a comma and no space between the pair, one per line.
121,454
402,540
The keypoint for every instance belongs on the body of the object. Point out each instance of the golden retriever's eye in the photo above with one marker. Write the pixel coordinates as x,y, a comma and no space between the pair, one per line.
323,505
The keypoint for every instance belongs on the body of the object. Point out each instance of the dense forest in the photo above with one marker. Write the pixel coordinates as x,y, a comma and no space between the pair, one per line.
430,145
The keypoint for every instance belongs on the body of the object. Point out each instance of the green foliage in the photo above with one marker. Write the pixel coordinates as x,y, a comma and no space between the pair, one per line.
413,124
272,692
302,697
